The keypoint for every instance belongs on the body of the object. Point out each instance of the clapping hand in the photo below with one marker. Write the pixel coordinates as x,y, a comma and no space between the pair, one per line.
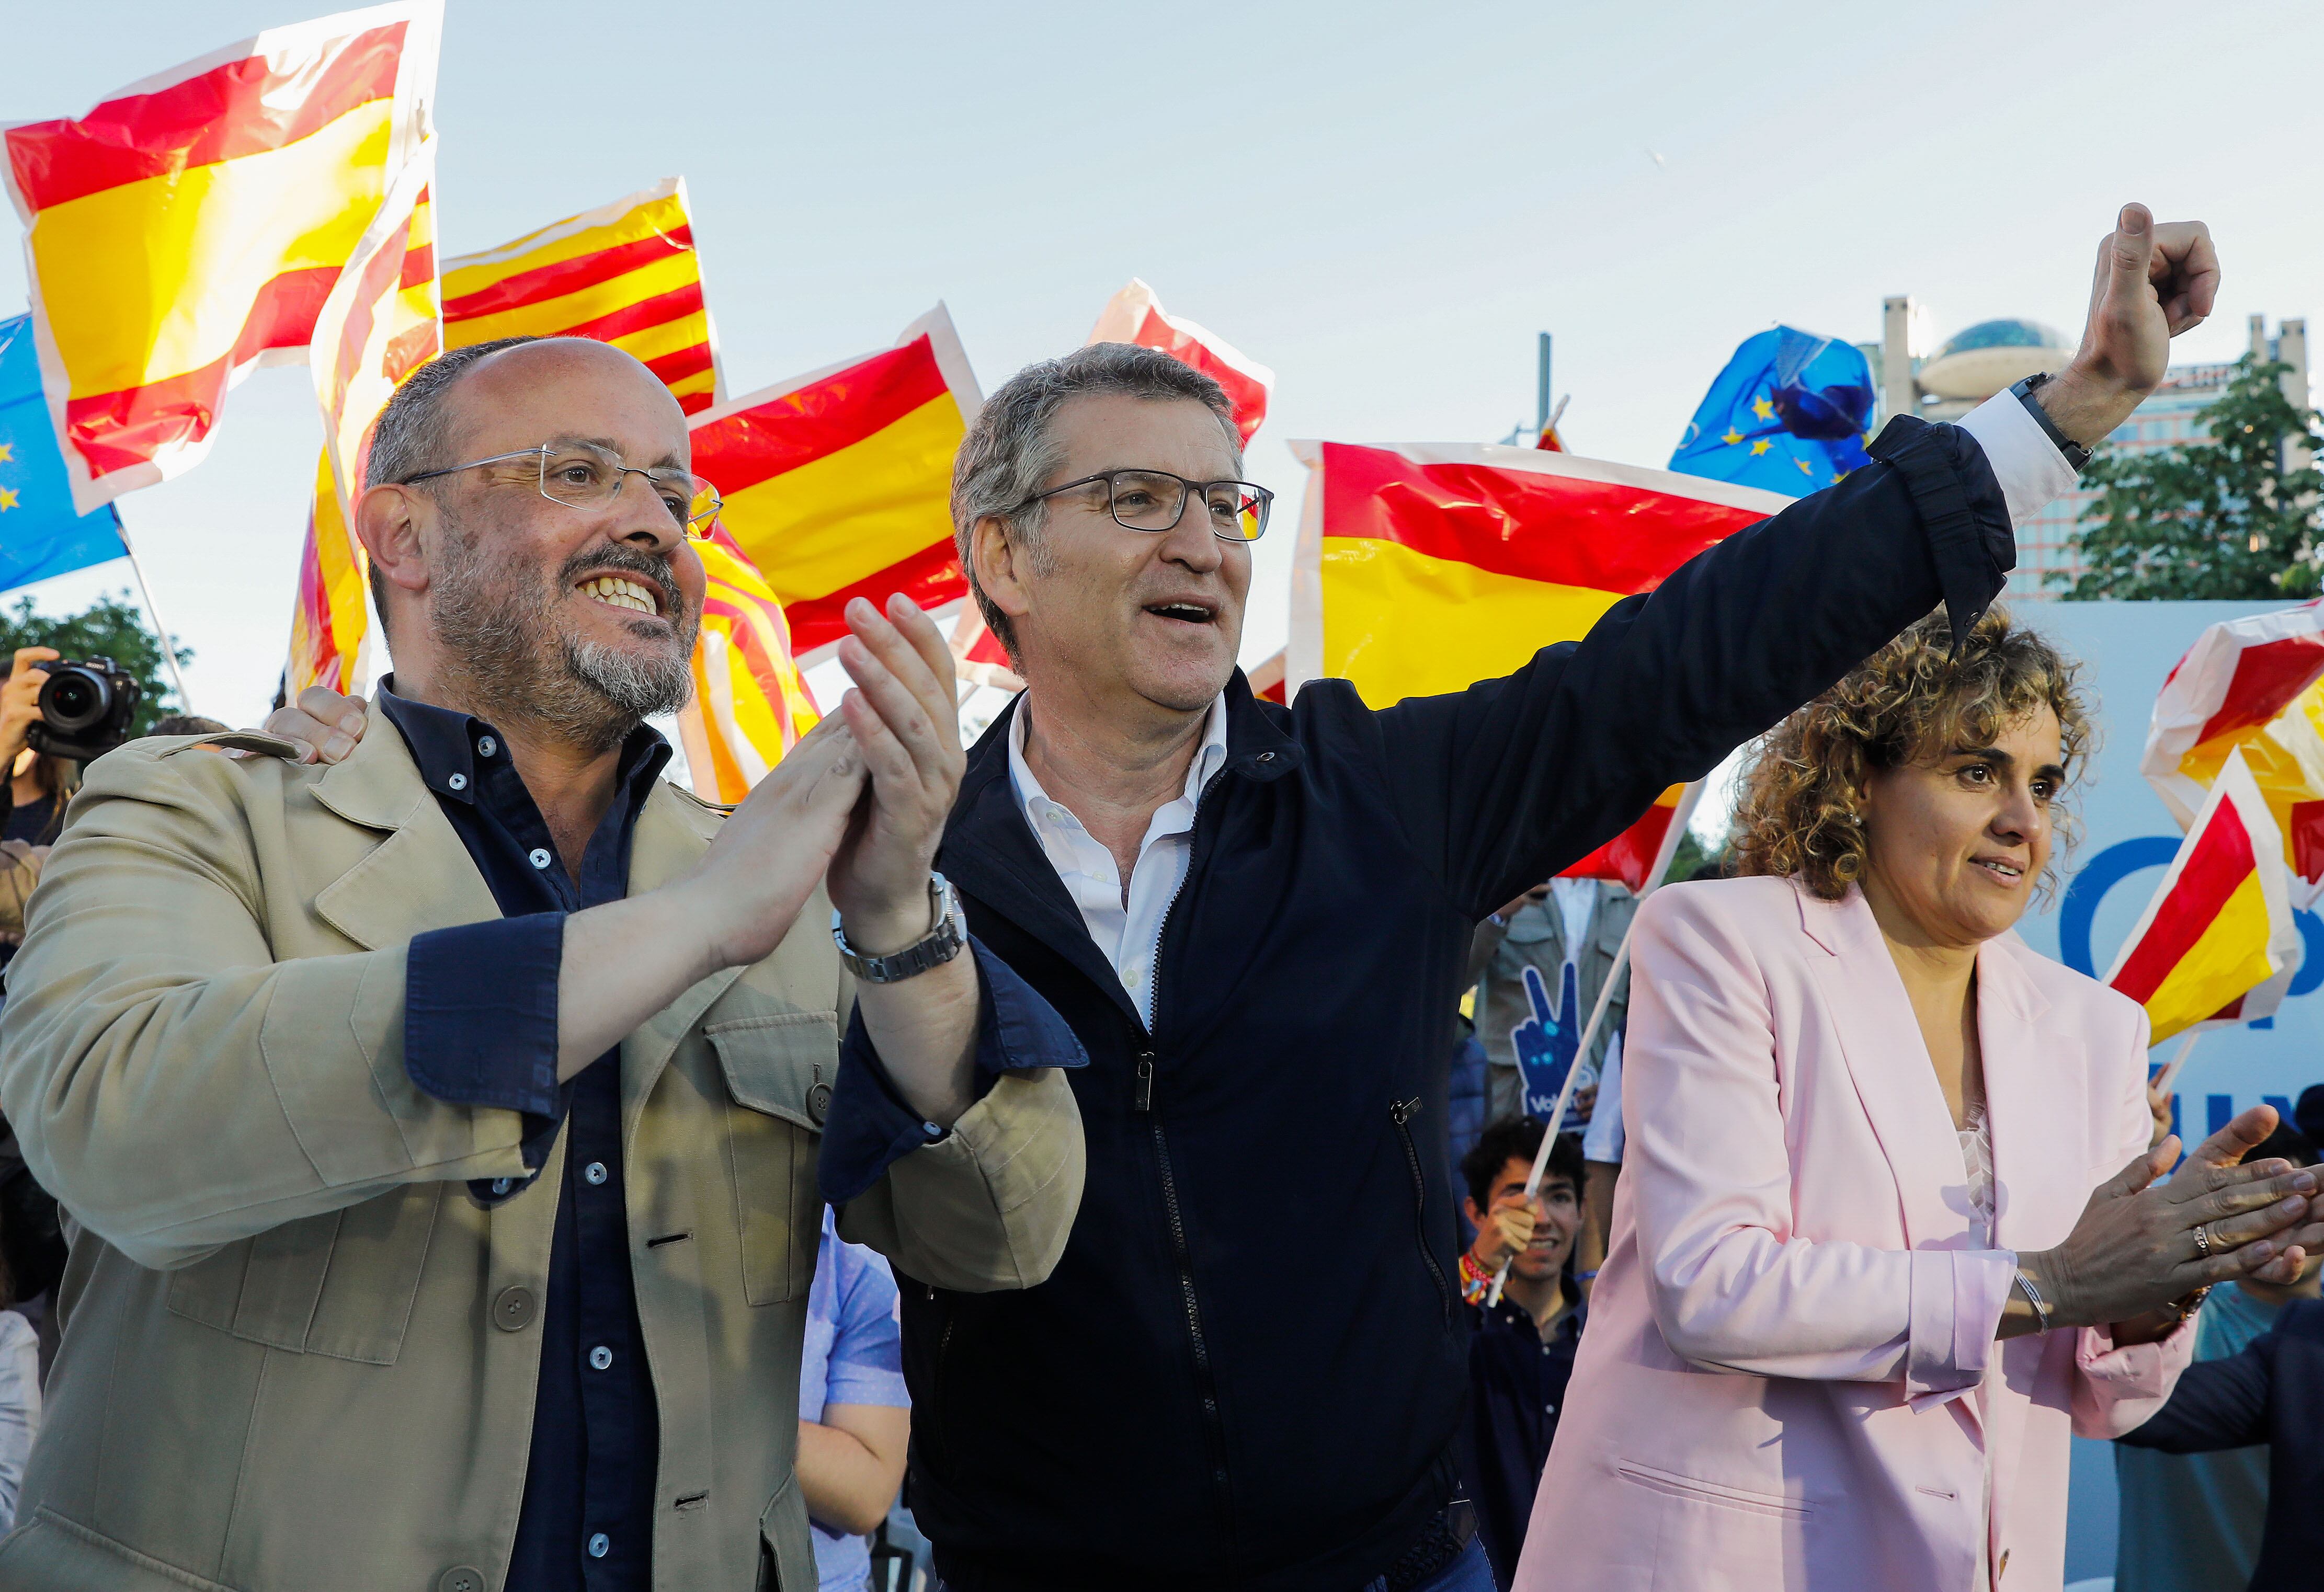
2141,1243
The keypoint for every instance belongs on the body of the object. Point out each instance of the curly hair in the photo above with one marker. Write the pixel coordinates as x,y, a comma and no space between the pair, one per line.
1909,703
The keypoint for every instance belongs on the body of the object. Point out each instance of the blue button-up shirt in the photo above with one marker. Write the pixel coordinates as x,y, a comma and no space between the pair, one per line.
480,1029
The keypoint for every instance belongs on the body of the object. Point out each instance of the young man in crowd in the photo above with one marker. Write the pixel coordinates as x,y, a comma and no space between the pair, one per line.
1256,918
2199,1508
1520,1350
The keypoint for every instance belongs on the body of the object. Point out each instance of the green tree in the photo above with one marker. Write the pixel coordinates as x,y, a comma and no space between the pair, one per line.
111,627
2222,519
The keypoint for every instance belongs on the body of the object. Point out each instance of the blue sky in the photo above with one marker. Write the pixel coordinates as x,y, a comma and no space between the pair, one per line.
1384,203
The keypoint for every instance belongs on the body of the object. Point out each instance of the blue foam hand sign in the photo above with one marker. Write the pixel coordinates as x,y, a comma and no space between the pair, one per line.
1545,1042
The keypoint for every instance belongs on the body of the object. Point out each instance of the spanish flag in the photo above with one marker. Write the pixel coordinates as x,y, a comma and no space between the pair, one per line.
838,485
626,273
1135,315
380,323
192,227
2255,685
2218,942
1425,568
750,704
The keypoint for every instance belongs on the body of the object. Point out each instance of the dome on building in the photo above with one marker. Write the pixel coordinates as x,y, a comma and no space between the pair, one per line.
1980,360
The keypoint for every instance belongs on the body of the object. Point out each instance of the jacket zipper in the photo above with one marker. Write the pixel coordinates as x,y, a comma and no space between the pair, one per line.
1402,1112
1142,1103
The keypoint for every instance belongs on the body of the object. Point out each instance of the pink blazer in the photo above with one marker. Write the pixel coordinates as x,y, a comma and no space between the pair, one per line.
1789,1378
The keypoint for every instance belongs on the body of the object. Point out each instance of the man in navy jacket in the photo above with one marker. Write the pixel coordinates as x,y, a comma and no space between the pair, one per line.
2272,1393
1249,1366
1248,1369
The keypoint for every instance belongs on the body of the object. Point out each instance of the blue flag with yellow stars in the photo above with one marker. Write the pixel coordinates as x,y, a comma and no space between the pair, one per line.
40,534
1787,414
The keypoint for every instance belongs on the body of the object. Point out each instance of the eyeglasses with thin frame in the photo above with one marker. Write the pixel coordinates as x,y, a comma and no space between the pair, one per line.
583,476
1156,500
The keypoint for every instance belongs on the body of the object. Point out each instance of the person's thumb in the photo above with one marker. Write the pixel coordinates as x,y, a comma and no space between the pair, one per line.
2131,251
2146,1167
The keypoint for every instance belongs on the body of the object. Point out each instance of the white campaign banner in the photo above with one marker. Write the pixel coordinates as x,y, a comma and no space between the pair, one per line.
2128,838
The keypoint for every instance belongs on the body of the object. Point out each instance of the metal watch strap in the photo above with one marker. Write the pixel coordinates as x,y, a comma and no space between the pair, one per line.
940,945
2077,456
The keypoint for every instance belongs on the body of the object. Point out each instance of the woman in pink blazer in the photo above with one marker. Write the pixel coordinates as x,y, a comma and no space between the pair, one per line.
1859,1288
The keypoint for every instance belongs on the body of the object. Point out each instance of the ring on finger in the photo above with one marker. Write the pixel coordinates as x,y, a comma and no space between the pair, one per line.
2203,1242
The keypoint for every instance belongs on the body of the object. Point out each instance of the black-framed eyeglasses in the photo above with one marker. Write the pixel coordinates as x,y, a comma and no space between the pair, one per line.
583,476
1156,500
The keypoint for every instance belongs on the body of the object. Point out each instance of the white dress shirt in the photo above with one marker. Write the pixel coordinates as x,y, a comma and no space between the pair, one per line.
1128,935
2032,472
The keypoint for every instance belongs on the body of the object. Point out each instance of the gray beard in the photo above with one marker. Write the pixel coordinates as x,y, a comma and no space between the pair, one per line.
506,654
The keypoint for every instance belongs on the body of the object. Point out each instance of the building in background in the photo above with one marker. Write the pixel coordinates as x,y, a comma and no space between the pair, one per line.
1993,356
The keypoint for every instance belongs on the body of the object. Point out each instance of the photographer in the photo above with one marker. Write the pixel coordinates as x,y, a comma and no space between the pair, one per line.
37,788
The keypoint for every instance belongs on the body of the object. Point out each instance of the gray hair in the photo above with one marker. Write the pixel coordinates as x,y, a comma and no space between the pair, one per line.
409,436
1011,451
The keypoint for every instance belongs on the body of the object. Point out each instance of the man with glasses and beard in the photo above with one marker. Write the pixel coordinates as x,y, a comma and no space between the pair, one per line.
1249,1366
444,1120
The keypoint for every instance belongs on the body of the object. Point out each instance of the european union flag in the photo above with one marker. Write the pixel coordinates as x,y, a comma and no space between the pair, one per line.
1787,414
40,534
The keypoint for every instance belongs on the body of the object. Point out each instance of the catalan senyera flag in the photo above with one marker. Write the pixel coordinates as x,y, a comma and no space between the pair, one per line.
751,703
378,325
2253,685
192,227
626,273
1135,315
1426,567
2216,942
838,485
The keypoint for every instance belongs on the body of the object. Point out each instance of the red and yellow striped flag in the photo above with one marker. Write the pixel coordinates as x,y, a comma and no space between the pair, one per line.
750,704
1135,315
1425,568
192,227
839,484
2218,942
2256,684
625,274
379,325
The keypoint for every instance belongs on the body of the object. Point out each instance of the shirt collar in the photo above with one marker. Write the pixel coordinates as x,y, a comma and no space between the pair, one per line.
447,745
1208,758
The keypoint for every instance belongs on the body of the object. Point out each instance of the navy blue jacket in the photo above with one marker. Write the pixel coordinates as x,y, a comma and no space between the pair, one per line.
1249,1367
2272,1393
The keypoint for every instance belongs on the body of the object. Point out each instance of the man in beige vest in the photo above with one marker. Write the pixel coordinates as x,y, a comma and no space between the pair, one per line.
443,1123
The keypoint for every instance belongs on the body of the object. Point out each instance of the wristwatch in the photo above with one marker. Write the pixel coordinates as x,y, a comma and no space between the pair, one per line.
2077,456
942,943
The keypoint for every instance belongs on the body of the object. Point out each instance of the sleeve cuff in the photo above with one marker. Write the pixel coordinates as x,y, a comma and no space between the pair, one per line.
870,1127
1958,1297
1964,514
2031,470
480,1013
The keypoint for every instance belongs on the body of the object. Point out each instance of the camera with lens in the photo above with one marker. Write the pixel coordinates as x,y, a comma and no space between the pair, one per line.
85,709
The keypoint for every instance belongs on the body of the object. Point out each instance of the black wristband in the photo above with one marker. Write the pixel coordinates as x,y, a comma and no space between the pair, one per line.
2077,456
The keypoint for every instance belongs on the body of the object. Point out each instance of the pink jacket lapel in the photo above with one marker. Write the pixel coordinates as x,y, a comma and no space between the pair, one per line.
1890,1067
2038,1180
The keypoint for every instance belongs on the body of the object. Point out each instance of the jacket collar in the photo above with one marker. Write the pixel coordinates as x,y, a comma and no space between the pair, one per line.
990,850
1898,1084
420,876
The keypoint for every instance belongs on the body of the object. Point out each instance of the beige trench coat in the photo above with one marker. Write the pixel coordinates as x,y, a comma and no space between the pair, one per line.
298,1355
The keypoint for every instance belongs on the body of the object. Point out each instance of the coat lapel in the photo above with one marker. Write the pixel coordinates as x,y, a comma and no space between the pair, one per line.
2036,1182
420,876
1889,1064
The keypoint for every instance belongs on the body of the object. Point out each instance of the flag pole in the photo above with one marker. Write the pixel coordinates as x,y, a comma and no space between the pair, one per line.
1614,972
2169,1073
169,651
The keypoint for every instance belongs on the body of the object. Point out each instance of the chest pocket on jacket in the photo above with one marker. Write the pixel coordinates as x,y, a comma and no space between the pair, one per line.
341,1283
780,1070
